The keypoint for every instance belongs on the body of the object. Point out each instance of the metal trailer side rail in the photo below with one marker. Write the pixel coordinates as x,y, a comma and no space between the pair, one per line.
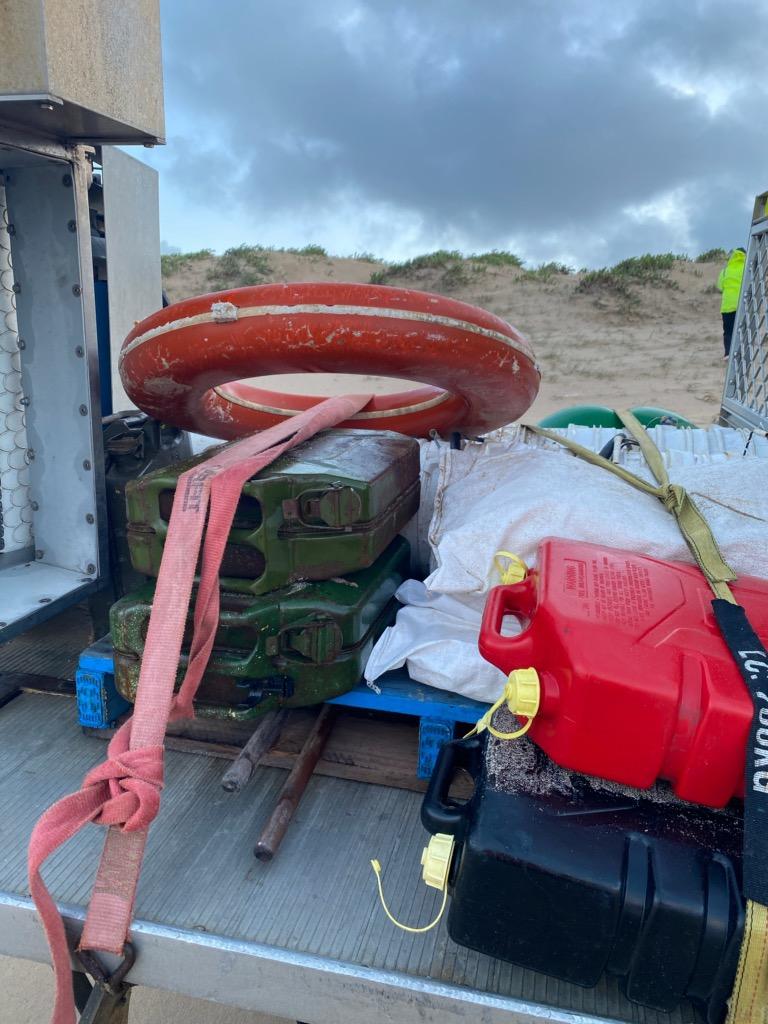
285,984
302,937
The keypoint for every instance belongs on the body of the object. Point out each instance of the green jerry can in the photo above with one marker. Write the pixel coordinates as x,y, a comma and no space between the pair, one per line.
327,508
294,647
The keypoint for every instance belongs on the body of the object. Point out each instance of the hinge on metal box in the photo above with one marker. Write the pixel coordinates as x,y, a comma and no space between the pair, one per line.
291,510
337,507
320,641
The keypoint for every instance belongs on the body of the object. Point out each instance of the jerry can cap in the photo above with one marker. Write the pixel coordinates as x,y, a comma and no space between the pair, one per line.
510,567
436,860
523,692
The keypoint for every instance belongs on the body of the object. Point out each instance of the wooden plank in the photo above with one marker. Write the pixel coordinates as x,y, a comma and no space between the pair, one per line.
378,751
217,730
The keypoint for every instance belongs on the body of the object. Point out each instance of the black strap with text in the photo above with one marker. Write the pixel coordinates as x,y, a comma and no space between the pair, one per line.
750,655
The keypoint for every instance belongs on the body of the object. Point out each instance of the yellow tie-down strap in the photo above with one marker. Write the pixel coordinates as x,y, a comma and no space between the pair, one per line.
749,1000
675,499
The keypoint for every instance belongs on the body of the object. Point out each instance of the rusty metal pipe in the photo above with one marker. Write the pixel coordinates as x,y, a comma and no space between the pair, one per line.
294,786
264,736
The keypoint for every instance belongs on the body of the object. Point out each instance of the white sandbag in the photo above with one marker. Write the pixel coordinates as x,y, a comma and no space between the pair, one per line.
435,636
509,495
512,499
416,531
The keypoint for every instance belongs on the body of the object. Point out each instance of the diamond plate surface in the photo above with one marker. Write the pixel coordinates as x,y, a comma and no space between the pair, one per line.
315,904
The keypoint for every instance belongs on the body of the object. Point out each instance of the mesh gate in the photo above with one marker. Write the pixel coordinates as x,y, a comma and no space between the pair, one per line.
15,507
745,398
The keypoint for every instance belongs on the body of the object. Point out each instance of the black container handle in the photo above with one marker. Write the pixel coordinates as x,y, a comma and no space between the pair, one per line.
438,812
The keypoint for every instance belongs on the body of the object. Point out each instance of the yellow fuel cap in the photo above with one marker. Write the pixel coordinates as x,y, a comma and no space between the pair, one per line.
436,860
524,692
511,568
522,695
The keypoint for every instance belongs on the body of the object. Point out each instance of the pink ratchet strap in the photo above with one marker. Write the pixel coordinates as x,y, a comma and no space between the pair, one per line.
123,793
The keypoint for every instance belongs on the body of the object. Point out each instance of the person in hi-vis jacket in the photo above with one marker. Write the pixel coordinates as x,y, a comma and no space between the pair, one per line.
729,283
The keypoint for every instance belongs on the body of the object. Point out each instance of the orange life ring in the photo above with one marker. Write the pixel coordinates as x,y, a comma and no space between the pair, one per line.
184,363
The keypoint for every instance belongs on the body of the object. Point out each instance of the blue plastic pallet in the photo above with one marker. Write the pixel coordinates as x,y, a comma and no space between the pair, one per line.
99,704
438,711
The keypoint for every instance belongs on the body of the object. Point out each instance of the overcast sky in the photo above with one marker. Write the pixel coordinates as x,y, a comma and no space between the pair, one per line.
582,131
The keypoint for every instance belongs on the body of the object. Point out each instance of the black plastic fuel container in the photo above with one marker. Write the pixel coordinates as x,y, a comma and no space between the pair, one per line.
585,882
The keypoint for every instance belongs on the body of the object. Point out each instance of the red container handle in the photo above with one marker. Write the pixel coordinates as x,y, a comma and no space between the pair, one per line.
509,652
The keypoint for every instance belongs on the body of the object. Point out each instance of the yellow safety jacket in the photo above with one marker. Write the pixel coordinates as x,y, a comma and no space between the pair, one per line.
729,281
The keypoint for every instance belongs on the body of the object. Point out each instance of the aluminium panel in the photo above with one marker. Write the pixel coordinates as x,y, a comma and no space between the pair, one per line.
132,229
33,591
46,192
50,284
86,70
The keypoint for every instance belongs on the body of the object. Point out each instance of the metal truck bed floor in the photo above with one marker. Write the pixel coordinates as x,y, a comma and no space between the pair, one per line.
302,937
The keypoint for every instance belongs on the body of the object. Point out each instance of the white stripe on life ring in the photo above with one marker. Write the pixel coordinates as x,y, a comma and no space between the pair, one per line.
313,308
429,403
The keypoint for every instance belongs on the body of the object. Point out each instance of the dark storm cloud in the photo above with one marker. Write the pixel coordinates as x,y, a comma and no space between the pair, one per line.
491,122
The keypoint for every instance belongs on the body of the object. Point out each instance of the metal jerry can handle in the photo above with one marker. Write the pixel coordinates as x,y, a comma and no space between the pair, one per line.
509,652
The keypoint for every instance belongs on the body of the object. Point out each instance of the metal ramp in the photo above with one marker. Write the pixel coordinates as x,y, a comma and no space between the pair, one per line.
745,396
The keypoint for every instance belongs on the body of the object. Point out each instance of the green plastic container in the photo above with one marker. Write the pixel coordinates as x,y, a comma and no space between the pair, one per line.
327,508
602,416
290,648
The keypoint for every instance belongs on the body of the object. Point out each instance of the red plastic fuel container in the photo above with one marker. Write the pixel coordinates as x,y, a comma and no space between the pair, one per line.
636,682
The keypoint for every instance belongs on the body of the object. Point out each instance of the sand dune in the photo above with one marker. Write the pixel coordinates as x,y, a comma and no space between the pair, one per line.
645,344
